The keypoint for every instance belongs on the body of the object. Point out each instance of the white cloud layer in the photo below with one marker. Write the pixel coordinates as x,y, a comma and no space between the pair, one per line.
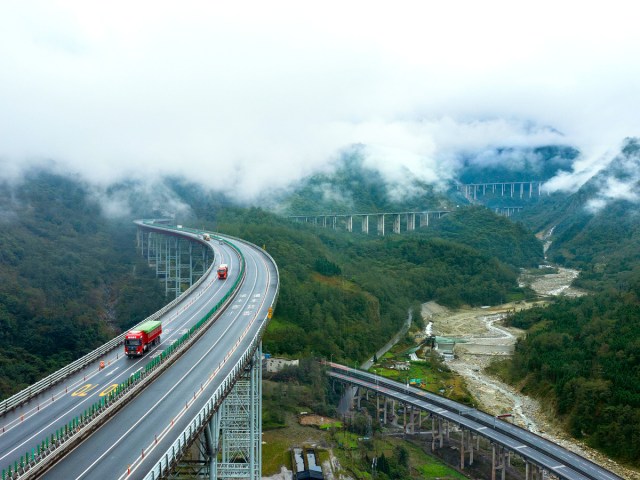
250,95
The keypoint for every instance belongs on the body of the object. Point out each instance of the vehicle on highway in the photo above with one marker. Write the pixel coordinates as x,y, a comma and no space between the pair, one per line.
136,342
223,270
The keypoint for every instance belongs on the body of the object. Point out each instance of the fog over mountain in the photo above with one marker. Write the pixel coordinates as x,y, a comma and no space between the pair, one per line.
247,96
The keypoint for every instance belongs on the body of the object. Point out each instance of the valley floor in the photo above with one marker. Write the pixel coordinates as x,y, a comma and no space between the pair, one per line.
485,340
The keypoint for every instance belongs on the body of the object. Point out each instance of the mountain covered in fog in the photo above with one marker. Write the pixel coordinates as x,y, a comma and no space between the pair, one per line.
597,228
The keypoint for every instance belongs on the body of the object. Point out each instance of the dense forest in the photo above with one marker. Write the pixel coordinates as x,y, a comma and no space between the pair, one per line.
69,278
344,294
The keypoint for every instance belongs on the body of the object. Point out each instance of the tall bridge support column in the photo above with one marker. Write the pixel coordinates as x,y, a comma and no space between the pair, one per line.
436,433
424,220
240,427
365,224
381,224
498,462
462,438
358,398
411,222
414,418
396,223
349,223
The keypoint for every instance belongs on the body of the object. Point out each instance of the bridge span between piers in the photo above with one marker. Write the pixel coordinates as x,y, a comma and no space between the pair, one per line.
541,456
137,418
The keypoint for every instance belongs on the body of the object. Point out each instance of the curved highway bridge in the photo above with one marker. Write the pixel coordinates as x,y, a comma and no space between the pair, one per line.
193,401
541,456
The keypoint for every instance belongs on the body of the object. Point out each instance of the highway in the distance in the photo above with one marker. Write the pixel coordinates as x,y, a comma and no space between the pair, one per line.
131,442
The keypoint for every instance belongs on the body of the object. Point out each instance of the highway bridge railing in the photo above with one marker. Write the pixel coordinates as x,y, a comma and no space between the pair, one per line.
41,385
83,425
201,419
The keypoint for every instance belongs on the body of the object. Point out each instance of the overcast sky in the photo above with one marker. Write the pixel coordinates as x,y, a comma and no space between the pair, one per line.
255,94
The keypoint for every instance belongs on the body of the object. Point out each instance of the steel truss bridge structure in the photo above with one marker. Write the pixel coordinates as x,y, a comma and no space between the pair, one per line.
541,457
190,407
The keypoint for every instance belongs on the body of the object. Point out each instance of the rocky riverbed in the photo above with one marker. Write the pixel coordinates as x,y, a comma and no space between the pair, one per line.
485,339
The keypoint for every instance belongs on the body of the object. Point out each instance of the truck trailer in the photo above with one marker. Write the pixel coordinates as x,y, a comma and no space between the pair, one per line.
136,342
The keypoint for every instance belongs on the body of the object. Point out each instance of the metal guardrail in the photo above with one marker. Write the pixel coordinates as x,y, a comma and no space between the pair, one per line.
70,435
188,435
41,385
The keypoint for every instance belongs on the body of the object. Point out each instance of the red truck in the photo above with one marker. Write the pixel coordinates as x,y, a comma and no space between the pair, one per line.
137,341
223,270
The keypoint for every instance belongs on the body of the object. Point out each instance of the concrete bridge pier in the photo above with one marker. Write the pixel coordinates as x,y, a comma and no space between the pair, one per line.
436,432
466,445
382,409
381,224
414,419
411,222
357,396
424,220
396,223
349,223
365,224
498,462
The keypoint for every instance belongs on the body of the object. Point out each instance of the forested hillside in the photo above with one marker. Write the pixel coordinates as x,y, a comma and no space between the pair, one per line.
69,278
352,187
345,294
597,229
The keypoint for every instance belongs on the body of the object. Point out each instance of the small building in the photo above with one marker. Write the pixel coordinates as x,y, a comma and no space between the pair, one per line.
306,465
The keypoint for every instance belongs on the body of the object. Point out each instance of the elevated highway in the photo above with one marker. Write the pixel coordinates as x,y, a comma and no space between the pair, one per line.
536,451
152,400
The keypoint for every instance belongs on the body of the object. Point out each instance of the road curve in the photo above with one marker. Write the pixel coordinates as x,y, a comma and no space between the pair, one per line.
25,427
135,439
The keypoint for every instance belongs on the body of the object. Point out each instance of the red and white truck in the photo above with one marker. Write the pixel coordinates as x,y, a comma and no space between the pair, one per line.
223,270
136,342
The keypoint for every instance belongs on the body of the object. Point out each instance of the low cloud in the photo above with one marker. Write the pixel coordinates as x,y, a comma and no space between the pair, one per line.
249,98
620,180
140,198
